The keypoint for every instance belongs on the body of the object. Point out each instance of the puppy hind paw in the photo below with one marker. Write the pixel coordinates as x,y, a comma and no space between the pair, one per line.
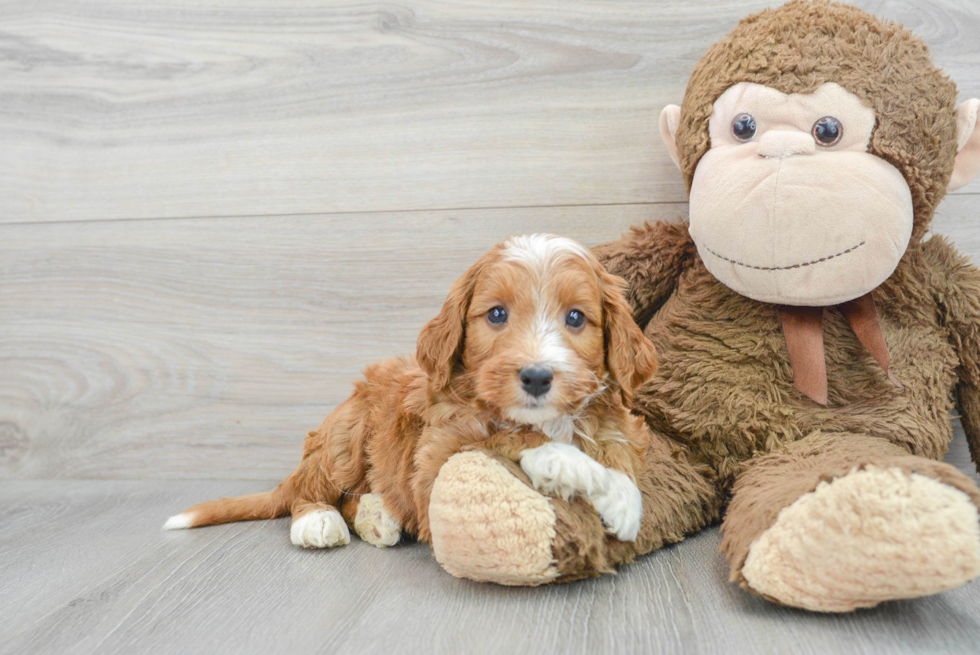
322,528
375,524
563,470
620,506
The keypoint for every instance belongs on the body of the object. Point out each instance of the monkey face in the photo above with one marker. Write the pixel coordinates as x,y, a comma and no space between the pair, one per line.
788,206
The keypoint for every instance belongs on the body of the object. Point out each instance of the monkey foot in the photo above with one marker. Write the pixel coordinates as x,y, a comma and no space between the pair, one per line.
487,525
874,535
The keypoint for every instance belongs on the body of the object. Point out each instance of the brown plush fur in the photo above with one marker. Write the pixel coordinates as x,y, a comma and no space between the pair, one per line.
723,404
409,415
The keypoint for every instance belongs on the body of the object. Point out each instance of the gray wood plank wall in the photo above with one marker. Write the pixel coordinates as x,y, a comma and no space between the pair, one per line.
213,215
125,109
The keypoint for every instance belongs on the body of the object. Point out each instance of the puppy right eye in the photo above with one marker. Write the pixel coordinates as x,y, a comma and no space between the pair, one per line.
575,319
497,316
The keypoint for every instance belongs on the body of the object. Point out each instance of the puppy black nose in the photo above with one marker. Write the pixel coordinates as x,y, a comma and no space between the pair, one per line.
536,380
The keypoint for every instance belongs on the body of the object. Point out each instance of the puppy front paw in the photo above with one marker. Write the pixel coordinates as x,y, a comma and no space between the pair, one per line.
620,506
563,470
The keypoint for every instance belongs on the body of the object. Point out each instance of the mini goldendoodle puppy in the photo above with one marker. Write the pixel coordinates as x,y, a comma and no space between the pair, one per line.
535,355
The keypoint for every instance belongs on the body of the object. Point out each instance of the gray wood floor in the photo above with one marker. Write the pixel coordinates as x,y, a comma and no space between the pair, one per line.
214,214
87,570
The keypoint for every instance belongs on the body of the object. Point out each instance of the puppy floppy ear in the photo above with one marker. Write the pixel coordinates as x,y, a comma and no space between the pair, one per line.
440,342
631,358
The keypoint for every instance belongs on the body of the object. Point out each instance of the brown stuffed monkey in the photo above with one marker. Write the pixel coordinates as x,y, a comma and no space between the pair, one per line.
811,340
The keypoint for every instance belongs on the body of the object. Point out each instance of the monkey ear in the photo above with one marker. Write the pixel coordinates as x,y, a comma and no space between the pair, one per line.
441,340
967,162
670,120
631,358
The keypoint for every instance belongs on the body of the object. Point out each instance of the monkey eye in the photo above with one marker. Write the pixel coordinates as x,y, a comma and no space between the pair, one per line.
575,319
743,127
497,316
827,131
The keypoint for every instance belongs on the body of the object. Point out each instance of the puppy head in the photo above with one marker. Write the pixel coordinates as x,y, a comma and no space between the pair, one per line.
534,330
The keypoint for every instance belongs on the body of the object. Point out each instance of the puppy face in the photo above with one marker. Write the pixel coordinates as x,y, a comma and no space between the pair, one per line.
534,337
534,330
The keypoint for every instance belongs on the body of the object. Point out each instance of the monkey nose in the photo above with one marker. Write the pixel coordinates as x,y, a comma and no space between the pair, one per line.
536,380
785,143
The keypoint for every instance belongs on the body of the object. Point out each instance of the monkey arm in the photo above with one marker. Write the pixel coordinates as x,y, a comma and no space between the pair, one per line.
488,523
650,258
957,284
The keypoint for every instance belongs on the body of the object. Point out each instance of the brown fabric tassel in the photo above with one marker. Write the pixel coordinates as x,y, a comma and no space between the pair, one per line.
862,316
803,329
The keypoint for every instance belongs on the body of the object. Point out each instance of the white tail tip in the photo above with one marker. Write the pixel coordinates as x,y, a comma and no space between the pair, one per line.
179,522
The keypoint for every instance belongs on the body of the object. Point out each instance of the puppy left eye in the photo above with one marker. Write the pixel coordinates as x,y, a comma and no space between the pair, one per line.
575,319
497,316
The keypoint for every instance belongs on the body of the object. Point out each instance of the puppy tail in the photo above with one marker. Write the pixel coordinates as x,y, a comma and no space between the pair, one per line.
268,505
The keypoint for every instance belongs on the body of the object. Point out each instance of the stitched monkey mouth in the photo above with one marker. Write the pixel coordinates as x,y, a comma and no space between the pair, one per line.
785,268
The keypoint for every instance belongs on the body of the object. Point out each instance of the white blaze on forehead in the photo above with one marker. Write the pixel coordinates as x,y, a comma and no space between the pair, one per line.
538,251
549,347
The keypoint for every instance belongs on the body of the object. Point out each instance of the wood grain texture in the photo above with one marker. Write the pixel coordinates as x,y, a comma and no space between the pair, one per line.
123,109
87,570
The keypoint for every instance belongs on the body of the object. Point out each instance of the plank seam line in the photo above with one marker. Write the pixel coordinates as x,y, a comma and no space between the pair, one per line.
348,213
373,211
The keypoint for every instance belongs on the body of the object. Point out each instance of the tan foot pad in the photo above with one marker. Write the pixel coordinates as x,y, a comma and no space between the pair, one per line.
870,536
375,524
489,526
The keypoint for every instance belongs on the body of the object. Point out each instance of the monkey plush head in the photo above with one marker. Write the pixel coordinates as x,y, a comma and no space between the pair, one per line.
816,142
